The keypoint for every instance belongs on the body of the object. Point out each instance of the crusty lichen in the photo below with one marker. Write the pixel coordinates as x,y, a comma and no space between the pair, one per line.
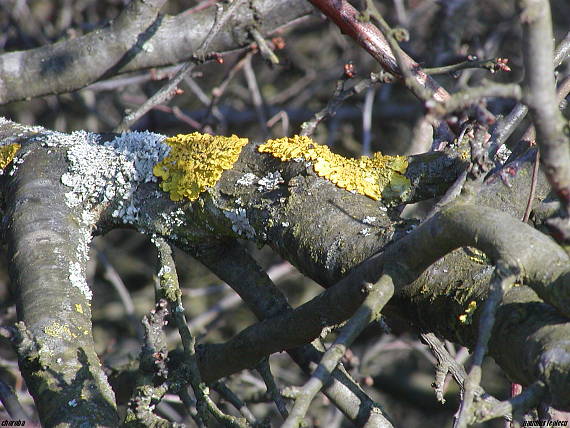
195,162
376,177
477,256
56,329
467,316
7,154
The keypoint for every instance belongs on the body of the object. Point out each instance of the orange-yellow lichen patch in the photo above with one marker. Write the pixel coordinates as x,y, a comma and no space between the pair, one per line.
7,154
195,162
370,176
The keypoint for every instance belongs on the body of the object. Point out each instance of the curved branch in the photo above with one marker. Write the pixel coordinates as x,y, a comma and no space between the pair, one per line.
48,249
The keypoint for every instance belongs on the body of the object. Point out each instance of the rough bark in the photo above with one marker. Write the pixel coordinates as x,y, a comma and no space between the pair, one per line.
312,223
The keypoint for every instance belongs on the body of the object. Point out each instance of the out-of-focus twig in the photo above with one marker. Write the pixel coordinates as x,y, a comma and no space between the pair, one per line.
169,90
256,96
341,93
11,403
493,65
540,97
379,294
366,34
264,370
502,280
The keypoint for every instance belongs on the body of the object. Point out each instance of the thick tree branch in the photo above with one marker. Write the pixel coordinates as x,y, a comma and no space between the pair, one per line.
318,227
48,244
137,39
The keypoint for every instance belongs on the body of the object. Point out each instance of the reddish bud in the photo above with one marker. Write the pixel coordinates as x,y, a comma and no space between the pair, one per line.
278,42
501,64
217,57
349,70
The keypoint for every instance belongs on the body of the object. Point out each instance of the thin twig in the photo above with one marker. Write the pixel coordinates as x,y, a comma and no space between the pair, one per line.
447,364
153,372
264,371
115,279
11,403
170,289
408,68
222,389
264,47
378,296
367,121
540,97
503,279
284,118
169,90
532,190
468,97
340,94
218,91
256,96
520,404
348,19
493,65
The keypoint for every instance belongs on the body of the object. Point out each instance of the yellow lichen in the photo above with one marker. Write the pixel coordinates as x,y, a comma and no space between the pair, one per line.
195,162
7,154
78,308
477,256
467,317
370,176
56,329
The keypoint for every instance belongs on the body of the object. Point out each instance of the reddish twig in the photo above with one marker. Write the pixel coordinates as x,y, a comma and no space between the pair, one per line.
367,35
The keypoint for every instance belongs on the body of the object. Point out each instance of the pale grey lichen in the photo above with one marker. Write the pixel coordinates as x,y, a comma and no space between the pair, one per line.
112,171
365,231
173,220
333,252
18,160
503,154
26,129
101,174
77,279
247,179
270,182
240,223
369,219
148,47
164,270
60,139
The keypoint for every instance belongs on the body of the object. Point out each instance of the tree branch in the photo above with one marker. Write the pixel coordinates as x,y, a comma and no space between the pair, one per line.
540,97
137,39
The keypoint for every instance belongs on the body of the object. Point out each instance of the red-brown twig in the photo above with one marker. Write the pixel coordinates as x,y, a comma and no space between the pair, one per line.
367,35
